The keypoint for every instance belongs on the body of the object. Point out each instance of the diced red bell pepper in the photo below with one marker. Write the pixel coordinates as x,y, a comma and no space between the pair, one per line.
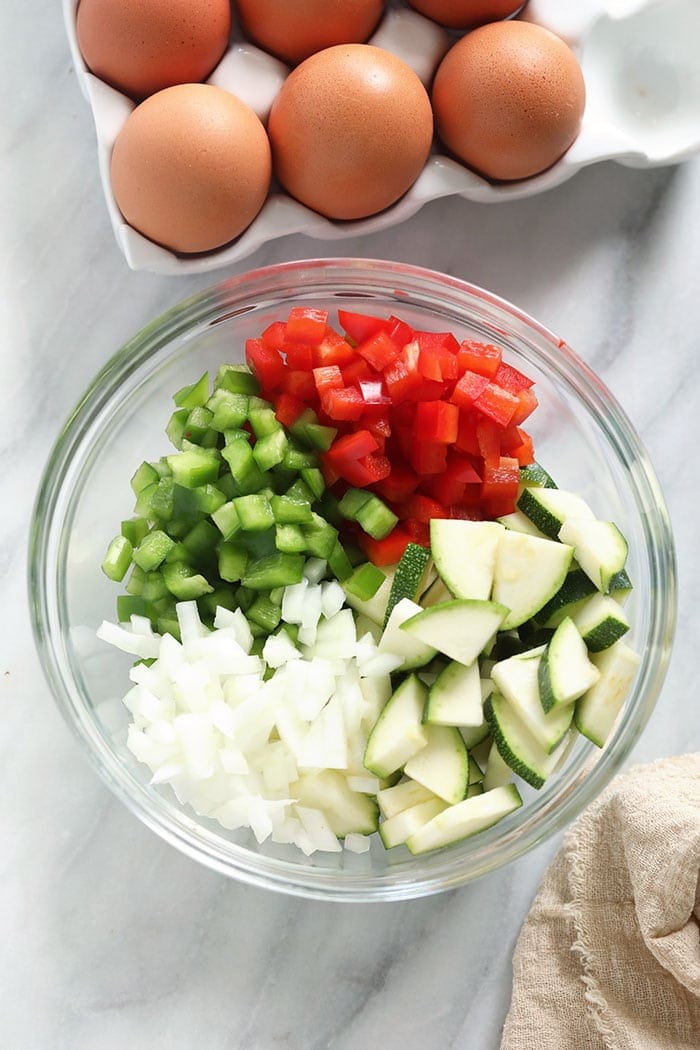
377,468
330,475
447,490
274,335
497,508
527,403
427,457
345,403
510,439
436,421
511,379
357,370
387,551
468,388
288,409
429,365
327,378
450,486
400,483
466,434
379,350
333,350
418,531
399,332
368,470
525,452
299,384
377,421
351,447
266,364
422,508
466,512
497,404
436,341
482,358
449,365
379,428
489,442
306,324
405,383
299,356
501,480
360,326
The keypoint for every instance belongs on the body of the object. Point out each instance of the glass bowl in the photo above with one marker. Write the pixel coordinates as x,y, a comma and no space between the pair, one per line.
582,437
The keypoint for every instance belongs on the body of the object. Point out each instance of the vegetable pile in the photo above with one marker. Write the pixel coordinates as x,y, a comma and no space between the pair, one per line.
330,642
430,425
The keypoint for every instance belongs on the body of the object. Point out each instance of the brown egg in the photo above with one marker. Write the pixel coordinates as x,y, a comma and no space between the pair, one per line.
351,129
141,46
295,29
508,99
191,167
465,14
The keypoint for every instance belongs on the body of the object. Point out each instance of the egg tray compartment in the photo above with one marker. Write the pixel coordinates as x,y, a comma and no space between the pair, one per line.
639,61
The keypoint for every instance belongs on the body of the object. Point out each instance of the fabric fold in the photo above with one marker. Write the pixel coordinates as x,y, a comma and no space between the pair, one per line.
609,955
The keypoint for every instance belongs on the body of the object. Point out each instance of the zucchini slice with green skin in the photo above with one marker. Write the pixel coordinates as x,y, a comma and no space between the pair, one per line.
517,679
548,509
413,652
535,475
474,789
565,672
397,829
576,589
411,578
398,733
519,522
460,629
401,796
597,710
601,621
465,555
346,811
442,766
465,819
529,572
517,746
599,548
455,697
621,587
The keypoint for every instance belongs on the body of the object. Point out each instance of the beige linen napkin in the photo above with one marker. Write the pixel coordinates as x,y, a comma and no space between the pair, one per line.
609,955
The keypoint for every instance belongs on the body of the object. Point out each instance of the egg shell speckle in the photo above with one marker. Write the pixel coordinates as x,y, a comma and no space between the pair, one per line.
509,99
191,167
142,46
466,14
295,29
350,130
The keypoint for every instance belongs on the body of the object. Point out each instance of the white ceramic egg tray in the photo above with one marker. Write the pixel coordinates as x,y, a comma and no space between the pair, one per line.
642,74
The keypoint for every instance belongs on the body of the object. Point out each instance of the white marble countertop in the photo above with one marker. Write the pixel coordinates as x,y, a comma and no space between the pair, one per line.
110,938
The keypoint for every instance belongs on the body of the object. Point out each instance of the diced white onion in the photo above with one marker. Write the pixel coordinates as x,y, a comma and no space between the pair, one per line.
232,733
293,602
314,570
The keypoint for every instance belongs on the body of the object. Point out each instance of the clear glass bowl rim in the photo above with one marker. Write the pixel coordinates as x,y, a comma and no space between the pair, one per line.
428,288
